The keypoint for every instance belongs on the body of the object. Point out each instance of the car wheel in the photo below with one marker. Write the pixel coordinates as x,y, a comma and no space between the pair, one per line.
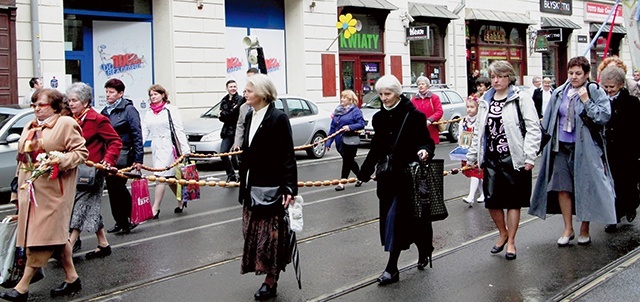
454,129
317,151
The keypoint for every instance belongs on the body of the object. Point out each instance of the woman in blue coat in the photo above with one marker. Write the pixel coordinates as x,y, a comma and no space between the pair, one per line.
574,178
347,116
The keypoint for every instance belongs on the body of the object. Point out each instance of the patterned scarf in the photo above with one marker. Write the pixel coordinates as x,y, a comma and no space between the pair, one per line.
80,118
570,121
426,94
342,110
33,144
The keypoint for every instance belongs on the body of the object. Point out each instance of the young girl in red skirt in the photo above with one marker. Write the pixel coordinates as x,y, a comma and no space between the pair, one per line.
464,141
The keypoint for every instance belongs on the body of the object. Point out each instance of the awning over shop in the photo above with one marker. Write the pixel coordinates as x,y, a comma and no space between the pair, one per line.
489,15
431,11
377,4
618,29
550,22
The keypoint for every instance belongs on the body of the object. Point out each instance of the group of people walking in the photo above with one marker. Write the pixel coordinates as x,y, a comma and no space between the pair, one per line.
54,210
580,141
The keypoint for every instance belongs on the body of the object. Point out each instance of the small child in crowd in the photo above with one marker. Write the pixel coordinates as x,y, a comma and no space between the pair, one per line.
464,141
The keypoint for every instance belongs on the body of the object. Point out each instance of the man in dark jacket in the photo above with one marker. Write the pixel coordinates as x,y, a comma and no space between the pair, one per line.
229,112
125,119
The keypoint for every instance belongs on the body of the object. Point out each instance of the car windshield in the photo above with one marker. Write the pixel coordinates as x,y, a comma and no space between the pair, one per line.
213,112
4,118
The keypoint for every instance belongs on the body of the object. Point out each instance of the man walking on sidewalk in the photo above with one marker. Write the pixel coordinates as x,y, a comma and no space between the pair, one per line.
229,112
125,119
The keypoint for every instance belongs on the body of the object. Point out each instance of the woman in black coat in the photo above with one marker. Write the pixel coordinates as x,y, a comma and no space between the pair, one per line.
268,161
619,131
398,228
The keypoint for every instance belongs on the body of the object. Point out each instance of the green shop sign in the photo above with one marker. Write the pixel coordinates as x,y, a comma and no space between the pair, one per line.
361,42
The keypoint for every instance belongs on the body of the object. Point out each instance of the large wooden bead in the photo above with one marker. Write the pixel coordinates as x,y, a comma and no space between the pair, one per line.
326,183
309,184
152,178
300,184
162,179
317,183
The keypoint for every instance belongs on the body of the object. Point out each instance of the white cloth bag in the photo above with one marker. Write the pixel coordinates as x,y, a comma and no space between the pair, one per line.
295,214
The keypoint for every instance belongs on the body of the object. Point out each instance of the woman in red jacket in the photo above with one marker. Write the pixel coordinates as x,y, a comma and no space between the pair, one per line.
428,103
104,144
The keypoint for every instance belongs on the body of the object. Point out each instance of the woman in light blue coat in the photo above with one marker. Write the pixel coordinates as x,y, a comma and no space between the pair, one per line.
574,177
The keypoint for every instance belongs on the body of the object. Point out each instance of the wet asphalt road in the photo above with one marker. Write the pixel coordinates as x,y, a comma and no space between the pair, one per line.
194,256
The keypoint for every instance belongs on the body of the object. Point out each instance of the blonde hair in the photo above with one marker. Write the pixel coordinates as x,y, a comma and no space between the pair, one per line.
612,60
349,94
263,87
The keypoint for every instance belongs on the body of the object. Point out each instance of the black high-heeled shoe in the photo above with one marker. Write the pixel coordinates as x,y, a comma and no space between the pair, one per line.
497,249
157,215
423,263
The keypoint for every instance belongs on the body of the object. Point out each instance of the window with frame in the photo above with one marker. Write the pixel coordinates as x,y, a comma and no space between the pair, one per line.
432,47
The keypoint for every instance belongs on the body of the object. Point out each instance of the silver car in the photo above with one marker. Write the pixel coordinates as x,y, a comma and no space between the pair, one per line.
309,124
13,118
453,106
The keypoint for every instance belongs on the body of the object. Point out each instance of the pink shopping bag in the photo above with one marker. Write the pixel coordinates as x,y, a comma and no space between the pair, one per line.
140,201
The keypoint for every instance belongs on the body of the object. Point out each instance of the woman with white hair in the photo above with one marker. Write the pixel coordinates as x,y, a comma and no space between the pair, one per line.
267,167
619,129
402,138
104,144
428,103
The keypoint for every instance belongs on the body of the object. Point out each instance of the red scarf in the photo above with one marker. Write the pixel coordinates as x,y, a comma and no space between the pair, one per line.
33,144
156,108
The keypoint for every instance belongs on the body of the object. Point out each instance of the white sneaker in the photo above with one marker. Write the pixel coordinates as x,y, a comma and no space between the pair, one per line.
480,199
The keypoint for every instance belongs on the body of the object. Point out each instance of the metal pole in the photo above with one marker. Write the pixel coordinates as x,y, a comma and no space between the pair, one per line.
35,38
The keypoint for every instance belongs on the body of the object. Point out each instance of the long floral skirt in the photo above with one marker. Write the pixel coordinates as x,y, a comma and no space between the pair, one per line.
266,243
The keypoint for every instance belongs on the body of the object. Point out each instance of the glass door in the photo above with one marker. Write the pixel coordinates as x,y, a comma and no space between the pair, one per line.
371,72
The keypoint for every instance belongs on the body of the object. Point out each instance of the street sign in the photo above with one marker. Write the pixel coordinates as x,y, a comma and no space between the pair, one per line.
415,33
552,34
582,39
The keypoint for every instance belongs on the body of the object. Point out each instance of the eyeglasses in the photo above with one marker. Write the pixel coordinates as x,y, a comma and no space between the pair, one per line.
41,105
493,77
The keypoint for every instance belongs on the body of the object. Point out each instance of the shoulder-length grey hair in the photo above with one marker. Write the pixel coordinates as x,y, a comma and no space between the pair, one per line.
503,68
389,82
613,73
423,79
263,87
82,91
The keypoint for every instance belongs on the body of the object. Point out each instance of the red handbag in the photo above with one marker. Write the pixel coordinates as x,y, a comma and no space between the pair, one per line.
140,201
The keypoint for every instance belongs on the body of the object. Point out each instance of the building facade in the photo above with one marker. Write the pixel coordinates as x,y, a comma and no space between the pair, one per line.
192,47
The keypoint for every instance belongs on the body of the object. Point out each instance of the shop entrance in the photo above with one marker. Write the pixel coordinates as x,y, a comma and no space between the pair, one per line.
360,74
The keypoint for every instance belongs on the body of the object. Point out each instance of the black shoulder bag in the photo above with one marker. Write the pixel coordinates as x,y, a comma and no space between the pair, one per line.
383,167
174,135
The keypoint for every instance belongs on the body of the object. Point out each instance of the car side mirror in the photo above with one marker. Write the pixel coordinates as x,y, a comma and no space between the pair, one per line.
12,138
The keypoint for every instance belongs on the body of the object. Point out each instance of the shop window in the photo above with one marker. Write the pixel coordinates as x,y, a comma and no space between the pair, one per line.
493,34
73,34
514,37
118,6
431,47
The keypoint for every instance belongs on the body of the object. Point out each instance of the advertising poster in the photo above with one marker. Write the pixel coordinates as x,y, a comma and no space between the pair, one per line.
122,50
272,42
237,64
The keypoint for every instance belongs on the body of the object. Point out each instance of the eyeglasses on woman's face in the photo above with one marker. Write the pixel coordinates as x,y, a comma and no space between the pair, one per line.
41,105
499,77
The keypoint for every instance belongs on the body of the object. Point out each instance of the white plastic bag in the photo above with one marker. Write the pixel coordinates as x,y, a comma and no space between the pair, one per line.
7,247
295,215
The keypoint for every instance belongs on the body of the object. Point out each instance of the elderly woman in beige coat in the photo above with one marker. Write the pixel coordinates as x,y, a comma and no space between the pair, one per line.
43,221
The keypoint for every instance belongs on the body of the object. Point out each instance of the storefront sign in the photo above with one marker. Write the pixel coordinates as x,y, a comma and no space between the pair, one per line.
515,54
358,41
541,44
494,36
415,33
596,12
552,34
119,56
561,7
493,53
582,39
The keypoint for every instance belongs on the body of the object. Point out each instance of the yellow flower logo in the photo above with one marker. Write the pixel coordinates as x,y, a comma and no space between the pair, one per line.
347,24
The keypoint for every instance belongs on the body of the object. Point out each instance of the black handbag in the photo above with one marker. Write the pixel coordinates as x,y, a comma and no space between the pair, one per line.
86,177
383,167
427,194
350,139
265,197
174,135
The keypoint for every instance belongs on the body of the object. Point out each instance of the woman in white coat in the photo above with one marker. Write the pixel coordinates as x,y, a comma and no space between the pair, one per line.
157,127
